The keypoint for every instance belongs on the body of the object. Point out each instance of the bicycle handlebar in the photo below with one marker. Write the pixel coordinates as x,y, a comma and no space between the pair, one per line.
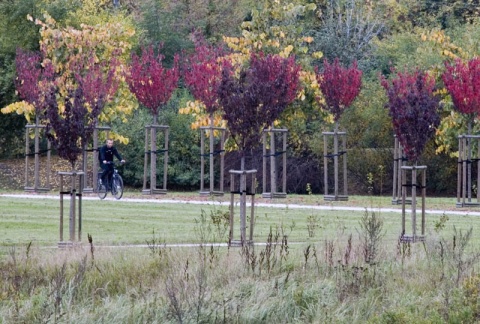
112,162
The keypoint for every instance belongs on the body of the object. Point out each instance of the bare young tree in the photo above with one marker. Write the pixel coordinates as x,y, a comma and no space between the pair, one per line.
347,29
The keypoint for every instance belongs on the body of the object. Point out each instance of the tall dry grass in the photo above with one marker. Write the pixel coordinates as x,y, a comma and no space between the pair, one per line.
353,278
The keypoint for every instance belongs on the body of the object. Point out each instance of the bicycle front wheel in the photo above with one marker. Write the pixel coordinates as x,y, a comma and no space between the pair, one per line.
117,187
101,189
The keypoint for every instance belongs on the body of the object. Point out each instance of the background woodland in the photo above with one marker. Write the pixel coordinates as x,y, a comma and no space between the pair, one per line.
381,36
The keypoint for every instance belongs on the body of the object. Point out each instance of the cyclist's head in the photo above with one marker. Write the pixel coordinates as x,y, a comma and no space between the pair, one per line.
109,142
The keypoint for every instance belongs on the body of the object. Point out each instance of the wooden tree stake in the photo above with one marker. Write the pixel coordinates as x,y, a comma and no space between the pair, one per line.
75,191
272,157
413,236
466,146
36,187
243,191
153,154
219,155
336,155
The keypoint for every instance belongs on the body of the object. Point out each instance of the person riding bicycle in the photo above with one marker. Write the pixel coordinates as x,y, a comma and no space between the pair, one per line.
105,156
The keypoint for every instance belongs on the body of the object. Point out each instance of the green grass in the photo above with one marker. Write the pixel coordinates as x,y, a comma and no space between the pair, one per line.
125,222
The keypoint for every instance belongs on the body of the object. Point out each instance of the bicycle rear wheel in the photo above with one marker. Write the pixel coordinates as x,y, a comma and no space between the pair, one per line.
101,189
117,187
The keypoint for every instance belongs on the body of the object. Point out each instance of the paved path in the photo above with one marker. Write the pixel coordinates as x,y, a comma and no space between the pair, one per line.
275,205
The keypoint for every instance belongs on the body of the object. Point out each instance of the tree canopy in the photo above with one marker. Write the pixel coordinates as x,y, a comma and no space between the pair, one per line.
440,38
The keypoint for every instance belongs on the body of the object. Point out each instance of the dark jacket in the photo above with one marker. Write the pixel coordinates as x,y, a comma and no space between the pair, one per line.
107,154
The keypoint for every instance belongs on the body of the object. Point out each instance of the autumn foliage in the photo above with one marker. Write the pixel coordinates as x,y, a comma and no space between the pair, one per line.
463,83
340,86
413,107
70,122
28,76
255,99
150,81
203,75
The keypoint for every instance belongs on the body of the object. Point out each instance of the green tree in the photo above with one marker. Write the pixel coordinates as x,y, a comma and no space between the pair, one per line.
172,23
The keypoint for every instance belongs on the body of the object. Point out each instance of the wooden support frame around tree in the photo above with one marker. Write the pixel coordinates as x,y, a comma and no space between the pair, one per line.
212,153
153,153
335,155
242,190
75,191
467,144
92,174
36,186
416,171
399,160
272,157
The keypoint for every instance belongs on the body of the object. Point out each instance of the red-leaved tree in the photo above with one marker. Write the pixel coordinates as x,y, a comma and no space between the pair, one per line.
151,82
70,127
340,86
69,122
29,72
203,75
256,99
463,83
413,107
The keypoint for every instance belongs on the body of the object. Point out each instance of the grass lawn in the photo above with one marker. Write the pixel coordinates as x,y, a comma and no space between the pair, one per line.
36,220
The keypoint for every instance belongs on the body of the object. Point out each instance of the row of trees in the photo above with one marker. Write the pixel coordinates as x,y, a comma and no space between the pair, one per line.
228,82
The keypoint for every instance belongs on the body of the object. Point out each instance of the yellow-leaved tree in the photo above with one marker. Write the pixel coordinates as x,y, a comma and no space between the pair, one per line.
105,37
463,47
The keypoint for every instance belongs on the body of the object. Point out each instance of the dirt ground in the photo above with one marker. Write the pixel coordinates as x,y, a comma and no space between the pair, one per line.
12,172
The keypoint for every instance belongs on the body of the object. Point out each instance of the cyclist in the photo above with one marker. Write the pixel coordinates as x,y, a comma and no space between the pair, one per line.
105,156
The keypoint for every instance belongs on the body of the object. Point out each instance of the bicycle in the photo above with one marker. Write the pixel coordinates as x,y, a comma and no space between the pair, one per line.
116,187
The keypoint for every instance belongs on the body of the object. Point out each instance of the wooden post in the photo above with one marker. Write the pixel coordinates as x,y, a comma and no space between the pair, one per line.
272,158
344,158
459,171
202,161
415,170
335,156
37,185
27,156
335,161
243,191
325,164
75,191
145,161
395,172
215,189
153,158
61,207
399,160
467,144
211,157
252,208
264,164
37,156
154,153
